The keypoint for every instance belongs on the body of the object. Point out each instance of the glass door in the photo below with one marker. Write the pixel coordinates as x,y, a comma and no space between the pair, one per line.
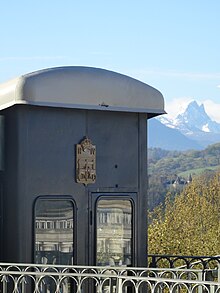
54,238
113,227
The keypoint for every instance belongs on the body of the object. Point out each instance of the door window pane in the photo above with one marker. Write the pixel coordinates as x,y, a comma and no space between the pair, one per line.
54,231
114,232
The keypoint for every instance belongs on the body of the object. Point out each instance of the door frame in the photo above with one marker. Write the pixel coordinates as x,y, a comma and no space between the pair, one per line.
94,198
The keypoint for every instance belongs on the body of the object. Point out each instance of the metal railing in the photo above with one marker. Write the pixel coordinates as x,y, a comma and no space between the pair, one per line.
26,278
183,261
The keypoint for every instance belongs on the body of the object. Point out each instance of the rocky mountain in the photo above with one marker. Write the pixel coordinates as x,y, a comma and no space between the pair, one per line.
193,119
193,123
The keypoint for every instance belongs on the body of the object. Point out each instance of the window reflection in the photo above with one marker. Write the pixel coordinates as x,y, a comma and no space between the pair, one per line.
54,231
114,232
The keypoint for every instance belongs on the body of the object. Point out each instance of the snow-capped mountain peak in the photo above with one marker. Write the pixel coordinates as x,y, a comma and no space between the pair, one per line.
193,120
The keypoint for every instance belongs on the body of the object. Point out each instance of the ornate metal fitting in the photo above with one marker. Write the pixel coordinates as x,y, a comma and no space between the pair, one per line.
85,162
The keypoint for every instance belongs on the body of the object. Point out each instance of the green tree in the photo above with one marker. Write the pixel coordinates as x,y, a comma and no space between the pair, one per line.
189,223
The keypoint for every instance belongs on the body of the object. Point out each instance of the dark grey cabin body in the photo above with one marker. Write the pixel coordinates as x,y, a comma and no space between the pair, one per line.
39,154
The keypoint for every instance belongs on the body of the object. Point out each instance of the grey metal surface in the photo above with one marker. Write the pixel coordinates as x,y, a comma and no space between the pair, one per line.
82,87
40,161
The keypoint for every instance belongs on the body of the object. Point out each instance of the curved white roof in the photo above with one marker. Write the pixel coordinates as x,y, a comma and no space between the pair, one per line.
82,87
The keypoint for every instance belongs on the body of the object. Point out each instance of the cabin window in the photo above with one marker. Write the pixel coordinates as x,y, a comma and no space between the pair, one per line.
114,232
54,231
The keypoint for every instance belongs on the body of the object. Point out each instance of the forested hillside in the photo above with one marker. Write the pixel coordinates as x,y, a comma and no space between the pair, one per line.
167,167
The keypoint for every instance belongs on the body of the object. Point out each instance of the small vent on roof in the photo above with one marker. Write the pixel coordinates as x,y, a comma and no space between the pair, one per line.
103,105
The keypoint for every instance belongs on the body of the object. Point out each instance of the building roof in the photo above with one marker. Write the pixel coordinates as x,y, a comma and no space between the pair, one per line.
83,88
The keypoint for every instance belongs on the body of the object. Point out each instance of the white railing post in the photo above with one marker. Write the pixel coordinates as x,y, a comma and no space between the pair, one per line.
218,268
119,285
4,284
200,278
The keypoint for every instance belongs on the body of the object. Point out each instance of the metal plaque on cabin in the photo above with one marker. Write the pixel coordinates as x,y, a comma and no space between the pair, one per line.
85,162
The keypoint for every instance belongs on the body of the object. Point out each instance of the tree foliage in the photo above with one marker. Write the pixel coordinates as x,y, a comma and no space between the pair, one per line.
189,223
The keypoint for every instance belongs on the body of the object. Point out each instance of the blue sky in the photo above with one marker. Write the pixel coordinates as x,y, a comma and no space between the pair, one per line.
171,45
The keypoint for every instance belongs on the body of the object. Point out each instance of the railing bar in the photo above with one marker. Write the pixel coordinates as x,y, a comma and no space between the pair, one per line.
97,268
37,273
105,276
183,257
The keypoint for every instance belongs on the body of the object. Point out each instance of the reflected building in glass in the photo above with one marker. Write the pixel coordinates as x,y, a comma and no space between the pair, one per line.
114,232
54,232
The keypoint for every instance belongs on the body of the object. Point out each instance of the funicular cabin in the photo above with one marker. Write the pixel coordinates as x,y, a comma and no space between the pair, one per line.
73,167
